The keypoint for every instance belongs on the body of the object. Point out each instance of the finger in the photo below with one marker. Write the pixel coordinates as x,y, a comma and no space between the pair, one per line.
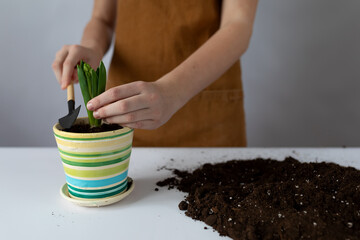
114,94
145,124
58,63
121,107
74,77
69,67
135,116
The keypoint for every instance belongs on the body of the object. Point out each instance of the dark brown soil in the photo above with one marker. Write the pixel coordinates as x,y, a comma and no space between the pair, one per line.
268,199
85,128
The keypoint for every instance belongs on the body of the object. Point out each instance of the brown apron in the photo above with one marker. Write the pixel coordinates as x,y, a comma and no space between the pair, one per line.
155,36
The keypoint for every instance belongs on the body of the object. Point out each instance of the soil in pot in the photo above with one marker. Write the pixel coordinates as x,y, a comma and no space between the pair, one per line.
268,199
85,128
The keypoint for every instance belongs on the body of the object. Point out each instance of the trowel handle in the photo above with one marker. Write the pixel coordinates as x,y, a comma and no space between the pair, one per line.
70,92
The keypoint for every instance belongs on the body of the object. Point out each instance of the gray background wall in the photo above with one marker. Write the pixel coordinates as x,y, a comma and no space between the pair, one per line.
301,73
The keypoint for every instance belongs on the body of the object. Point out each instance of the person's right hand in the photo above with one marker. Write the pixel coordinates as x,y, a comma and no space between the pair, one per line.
68,57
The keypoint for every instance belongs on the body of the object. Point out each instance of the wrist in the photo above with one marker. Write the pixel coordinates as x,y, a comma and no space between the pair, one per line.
94,48
173,89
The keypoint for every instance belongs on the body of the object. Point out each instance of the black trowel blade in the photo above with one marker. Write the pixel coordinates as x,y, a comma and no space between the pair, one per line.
68,120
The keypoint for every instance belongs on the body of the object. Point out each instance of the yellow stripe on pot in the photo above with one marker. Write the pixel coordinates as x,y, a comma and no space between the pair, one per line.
92,154
94,150
80,137
99,136
93,143
96,173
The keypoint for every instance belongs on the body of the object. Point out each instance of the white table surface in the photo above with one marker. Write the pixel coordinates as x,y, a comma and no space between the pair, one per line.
32,208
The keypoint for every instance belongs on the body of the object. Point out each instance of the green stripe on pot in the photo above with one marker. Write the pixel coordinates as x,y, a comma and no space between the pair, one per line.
96,172
97,190
95,163
95,155
95,159
92,139
97,196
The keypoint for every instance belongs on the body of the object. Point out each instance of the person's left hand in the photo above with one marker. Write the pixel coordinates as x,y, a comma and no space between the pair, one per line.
144,105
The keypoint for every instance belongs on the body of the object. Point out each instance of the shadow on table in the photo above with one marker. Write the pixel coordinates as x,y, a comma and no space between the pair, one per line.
144,188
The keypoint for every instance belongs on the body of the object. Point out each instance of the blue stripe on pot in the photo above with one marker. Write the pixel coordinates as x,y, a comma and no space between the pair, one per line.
94,190
96,183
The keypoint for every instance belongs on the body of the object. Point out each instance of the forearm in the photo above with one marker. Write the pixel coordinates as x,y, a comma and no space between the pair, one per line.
210,61
97,36
98,32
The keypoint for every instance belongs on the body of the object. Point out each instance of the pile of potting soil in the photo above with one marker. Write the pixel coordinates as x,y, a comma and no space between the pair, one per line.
268,199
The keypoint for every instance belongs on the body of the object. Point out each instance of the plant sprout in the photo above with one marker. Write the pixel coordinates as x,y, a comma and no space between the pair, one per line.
92,84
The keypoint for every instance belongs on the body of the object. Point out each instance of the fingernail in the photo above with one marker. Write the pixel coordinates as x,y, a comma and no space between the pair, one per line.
96,114
89,106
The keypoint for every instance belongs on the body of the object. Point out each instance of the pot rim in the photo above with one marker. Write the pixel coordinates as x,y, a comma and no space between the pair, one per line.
57,129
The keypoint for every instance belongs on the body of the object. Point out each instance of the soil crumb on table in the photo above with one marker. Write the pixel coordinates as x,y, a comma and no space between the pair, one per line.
85,128
269,199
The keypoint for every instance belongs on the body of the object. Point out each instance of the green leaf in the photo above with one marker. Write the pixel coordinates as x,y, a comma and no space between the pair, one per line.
85,91
97,72
94,83
94,88
97,122
87,70
102,78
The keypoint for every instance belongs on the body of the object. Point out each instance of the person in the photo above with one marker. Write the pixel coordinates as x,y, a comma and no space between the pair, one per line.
175,74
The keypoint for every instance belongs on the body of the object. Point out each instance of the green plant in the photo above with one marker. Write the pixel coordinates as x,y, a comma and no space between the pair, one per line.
92,84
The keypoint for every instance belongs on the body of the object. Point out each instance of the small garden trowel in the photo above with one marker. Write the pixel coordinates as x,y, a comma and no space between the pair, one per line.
68,120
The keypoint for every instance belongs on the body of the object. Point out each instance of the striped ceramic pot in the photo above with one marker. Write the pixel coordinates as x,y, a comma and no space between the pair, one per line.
95,164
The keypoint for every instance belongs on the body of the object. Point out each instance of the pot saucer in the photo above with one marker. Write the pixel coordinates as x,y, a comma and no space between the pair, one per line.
97,202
